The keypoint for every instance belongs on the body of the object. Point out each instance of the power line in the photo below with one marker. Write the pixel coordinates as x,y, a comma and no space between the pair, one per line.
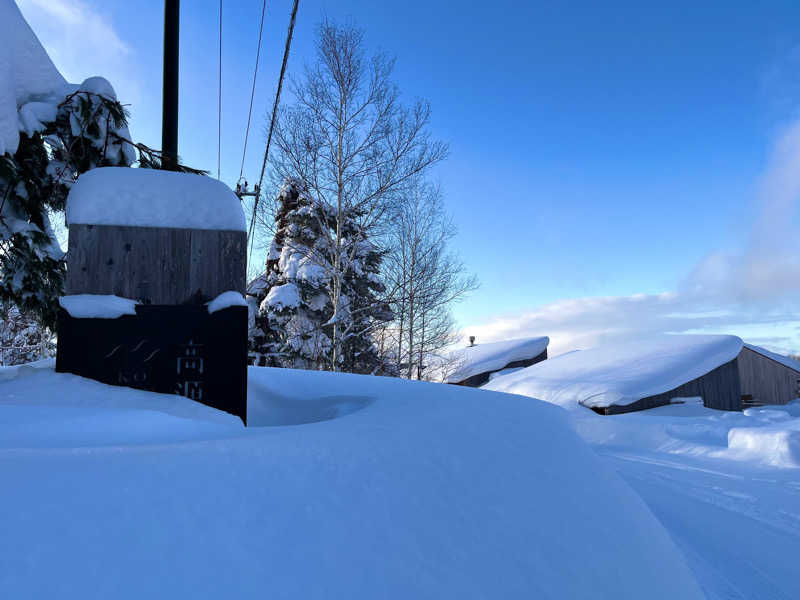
219,96
272,120
253,89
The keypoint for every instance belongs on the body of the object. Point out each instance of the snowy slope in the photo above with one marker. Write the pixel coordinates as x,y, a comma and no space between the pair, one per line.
463,363
153,198
724,484
352,487
621,373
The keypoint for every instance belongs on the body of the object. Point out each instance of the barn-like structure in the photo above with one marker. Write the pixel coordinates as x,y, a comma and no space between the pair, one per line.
767,377
475,364
646,373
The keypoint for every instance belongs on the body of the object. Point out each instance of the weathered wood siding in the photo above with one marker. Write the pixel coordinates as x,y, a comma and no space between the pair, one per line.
481,378
719,389
766,380
155,265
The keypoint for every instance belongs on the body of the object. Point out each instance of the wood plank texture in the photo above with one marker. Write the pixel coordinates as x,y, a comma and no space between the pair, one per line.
719,389
766,380
155,265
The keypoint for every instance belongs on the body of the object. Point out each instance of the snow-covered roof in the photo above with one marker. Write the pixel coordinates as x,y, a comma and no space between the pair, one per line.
485,358
26,75
153,198
779,358
621,373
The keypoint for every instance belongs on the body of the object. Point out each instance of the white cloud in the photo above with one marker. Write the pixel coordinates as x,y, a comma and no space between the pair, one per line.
586,322
768,267
82,42
753,292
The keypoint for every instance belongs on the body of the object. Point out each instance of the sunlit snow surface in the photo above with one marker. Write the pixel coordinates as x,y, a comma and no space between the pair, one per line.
344,487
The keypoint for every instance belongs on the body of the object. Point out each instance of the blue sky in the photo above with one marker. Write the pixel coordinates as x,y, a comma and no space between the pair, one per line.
615,168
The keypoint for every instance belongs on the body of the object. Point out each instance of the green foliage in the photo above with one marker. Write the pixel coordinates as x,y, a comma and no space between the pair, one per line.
89,131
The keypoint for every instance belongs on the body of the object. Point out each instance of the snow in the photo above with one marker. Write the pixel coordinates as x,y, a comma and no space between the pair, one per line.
282,296
724,484
226,300
26,75
780,358
97,306
621,373
483,358
153,198
347,487
257,285
502,372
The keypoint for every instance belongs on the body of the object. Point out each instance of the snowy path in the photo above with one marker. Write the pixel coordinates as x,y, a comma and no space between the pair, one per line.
739,528
734,514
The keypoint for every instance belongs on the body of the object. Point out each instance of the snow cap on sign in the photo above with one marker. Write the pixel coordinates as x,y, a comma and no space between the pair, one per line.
153,198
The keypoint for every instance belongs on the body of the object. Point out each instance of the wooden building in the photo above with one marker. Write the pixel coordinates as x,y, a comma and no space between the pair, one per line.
756,377
475,364
638,374
766,377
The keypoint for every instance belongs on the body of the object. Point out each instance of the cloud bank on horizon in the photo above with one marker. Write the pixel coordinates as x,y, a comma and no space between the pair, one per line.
753,292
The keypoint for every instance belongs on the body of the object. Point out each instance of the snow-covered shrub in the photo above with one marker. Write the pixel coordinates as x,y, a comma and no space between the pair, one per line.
22,338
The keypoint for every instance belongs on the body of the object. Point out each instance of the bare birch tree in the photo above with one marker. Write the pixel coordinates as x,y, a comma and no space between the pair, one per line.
427,278
354,145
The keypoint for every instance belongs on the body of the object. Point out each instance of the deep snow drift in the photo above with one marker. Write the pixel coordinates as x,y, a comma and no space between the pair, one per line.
620,373
352,487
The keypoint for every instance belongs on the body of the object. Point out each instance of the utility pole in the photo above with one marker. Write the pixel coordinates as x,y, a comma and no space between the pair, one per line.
169,118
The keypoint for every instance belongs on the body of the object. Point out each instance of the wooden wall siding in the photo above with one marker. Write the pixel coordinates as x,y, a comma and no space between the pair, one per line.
155,265
766,380
481,378
719,389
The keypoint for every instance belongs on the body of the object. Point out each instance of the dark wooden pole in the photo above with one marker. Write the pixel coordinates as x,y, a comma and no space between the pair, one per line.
169,119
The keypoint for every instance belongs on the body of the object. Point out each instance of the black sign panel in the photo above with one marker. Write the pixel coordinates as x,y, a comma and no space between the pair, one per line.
169,349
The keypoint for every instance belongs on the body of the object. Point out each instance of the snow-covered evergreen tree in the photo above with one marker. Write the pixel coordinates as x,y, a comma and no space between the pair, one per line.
294,320
362,308
294,302
56,144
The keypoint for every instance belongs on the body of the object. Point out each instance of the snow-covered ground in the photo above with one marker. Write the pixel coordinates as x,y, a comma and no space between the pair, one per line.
345,487
725,485
369,487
